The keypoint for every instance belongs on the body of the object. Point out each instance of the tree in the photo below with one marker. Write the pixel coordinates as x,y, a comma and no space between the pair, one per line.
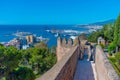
25,64
2,67
26,55
117,31
36,61
83,36
41,45
24,73
11,59
94,36
2,49
108,31
50,61
117,57
111,48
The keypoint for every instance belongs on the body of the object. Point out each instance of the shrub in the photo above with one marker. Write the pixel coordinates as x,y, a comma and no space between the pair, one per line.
117,56
111,48
24,73
113,62
102,45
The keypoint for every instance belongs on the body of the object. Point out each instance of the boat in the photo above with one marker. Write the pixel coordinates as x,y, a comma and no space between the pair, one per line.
92,30
57,34
40,38
47,30
19,34
73,37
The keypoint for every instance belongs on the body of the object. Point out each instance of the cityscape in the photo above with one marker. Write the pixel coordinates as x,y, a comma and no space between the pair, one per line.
24,40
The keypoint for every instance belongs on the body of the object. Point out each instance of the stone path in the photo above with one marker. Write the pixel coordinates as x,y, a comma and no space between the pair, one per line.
85,70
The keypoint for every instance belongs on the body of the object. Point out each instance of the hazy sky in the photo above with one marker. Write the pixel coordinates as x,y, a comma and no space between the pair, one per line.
57,11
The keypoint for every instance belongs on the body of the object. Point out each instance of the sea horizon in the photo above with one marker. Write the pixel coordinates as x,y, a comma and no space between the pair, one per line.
39,30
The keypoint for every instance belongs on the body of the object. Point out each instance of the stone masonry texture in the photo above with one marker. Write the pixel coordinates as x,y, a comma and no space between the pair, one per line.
104,69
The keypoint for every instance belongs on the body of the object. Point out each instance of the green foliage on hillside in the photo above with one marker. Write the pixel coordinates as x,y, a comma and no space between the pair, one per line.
111,48
111,33
117,31
106,32
116,42
113,62
24,73
25,64
117,57
93,37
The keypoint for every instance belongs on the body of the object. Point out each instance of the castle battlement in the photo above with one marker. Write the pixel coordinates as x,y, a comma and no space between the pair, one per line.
68,43
64,45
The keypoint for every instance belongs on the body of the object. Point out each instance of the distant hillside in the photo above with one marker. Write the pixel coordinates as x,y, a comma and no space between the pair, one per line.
103,23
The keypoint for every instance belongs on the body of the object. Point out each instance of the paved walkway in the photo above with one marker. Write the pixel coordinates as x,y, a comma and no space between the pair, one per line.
85,70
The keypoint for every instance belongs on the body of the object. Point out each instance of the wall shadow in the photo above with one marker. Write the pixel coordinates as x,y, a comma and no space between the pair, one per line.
84,70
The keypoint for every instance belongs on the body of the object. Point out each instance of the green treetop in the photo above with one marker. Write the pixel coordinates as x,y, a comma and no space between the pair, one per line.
117,31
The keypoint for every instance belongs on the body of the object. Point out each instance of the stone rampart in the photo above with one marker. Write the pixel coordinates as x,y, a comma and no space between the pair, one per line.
64,45
65,68
104,69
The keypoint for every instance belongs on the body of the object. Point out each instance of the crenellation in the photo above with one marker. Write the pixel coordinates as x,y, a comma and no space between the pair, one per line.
64,42
68,56
59,41
70,43
64,45
76,41
65,68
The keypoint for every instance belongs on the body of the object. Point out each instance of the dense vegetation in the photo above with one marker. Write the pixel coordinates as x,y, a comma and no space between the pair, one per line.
106,32
117,31
25,64
111,33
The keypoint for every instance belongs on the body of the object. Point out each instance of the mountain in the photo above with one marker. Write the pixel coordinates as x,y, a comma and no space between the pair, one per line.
103,22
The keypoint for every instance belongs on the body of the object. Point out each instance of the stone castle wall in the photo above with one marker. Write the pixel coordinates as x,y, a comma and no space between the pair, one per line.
65,68
67,72
104,69
67,53
63,46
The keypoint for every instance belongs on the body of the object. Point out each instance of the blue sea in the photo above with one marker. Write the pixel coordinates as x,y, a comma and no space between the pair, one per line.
39,30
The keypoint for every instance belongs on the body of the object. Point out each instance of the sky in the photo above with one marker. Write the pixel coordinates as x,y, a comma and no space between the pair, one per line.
57,11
